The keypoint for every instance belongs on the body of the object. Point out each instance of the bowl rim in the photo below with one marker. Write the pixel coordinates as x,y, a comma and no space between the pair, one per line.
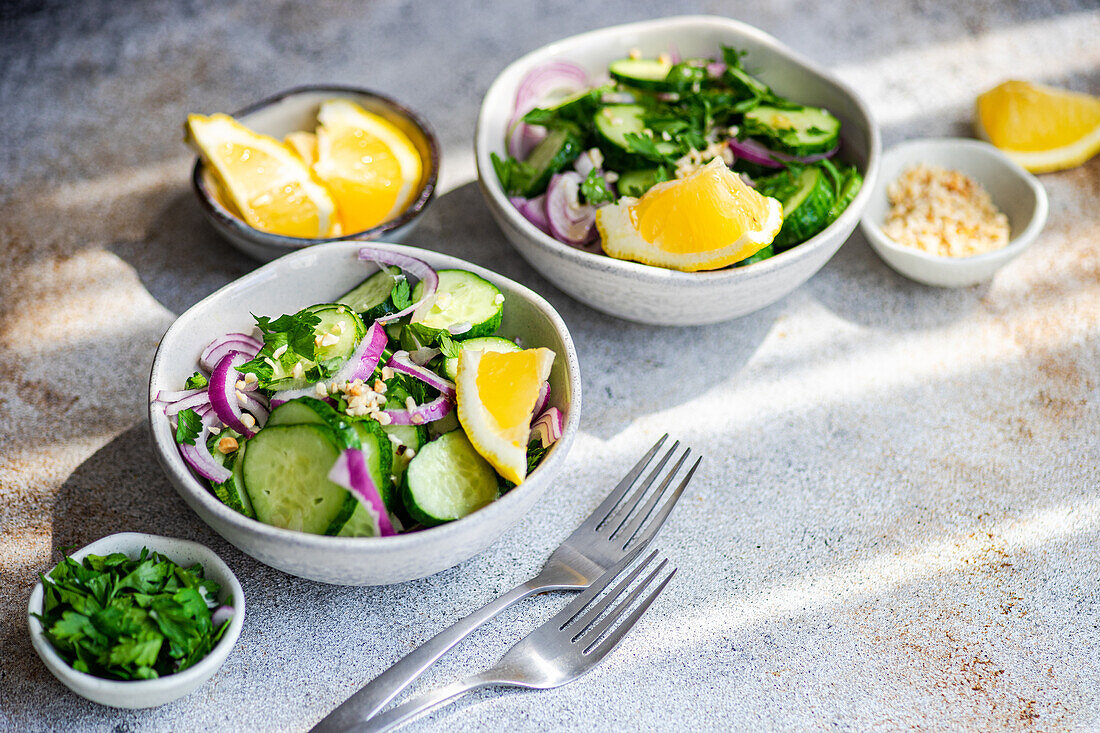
417,205
192,675
173,464
907,152
651,273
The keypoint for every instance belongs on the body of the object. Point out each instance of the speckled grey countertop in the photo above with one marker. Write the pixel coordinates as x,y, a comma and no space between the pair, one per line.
897,521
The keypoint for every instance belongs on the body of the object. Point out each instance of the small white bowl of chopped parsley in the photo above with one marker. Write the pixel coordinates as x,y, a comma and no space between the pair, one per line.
136,620
950,212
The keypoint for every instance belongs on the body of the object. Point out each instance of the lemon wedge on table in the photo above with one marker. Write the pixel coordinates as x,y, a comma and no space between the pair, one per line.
268,185
304,145
496,395
706,220
1041,128
371,167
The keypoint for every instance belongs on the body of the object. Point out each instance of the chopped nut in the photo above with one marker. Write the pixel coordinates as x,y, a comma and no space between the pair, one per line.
241,384
498,298
354,390
241,398
228,444
298,370
387,372
329,339
379,386
278,352
418,419
384,418
410,453
248,420
250,378
340,326
319,388
410,404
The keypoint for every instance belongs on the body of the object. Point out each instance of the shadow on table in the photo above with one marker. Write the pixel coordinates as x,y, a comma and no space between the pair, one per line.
181,259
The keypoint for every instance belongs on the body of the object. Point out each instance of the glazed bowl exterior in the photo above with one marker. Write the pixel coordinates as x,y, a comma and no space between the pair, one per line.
316,275
1017,193
655,295
145,693
294,110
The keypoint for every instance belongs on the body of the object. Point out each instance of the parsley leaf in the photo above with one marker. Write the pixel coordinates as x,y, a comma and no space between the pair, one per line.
298,329
646,147
195,381
513,174
594,189
400,295
447,345
188,427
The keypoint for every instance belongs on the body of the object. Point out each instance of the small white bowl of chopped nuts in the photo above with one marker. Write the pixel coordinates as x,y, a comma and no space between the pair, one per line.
950,212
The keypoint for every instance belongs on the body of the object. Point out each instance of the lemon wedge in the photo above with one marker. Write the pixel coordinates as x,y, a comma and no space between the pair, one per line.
706,220
1041,128
371,166
496,395
268,185
304,145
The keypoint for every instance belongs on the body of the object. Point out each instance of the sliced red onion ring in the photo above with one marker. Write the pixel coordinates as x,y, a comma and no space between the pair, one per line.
188,403
221,615
359,365
418,268
219,347
760,154
536,86
350,471
716,68
534,211
547,427
423,355
198,455
429,412
223,393
522,138
544,397
166,396
570,221
400,362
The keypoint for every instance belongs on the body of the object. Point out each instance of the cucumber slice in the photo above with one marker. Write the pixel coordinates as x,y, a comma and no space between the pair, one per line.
348,335
357,522
615,121
798,131
231,492
648,74
486,343
311,411
463,297
806,211
286,476
553,154
370,296
744,84
409,438
849,188
636,183
760,256
447,480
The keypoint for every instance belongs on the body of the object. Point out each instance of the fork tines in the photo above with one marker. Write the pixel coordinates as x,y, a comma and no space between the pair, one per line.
584,612
618,520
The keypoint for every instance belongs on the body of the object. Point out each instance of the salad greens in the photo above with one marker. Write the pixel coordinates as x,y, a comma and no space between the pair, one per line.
659,119
118,618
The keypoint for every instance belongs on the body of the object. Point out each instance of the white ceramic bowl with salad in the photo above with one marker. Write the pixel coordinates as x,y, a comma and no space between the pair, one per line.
647,293
1014,191
146,693
343,459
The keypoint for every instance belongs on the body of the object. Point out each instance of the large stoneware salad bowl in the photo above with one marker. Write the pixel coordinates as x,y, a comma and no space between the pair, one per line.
320,274
650,294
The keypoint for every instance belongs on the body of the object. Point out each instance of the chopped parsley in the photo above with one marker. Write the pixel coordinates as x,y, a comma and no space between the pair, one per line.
188,426
196,381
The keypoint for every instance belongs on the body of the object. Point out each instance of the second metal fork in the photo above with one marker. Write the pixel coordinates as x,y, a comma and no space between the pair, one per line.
614,529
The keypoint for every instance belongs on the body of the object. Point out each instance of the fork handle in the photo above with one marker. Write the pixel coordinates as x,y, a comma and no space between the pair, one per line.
406,711
383,688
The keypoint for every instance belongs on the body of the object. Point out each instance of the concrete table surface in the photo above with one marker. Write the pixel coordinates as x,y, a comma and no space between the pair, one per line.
897,520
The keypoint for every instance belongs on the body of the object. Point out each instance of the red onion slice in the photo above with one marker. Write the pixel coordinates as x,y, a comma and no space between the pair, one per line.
219,347
534,211
400,362
223,393
423,414
188,403
548,427
716,68
760,154
570,221
544,397
221,615
561,77
198,455
350,471
359,365
418,268
166,396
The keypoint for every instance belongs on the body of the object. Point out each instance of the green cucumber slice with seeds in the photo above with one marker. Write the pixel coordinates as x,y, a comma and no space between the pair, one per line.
485,343
797,130
405,439
615,121
648,74
553,154
369,298
849,189
806,210
447,480
285,474
336,319
231,492
636,183
463,297
309,410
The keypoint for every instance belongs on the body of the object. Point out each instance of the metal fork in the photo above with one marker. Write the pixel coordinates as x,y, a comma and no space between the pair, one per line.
561,650
603,539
